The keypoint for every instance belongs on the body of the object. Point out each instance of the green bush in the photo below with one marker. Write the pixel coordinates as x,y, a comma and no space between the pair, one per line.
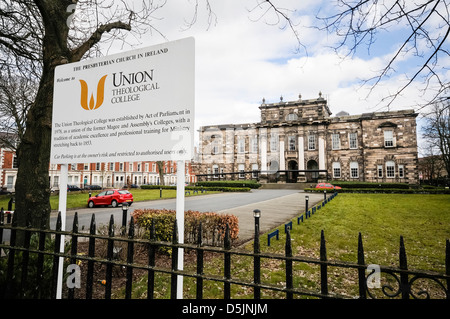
213,225
199,188
382,191
17,289
370,185
244,183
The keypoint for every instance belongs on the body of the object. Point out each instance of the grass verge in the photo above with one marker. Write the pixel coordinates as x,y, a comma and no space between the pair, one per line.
423,221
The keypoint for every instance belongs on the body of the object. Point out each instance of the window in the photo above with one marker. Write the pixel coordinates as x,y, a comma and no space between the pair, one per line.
121,167
291,117
241,170
388,138
14,163
311,142
380,171
353,140
390,169
215,147
216,171
291,143
241,145
111,166
336,170
274,143
255,144
254,168
354,170
335,141
97,166
401,171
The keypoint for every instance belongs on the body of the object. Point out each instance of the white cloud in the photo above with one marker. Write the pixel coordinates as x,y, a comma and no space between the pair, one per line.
240,60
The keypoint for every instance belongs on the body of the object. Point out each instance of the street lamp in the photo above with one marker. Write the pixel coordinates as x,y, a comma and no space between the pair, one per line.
124,214
306,203
256,215
256,258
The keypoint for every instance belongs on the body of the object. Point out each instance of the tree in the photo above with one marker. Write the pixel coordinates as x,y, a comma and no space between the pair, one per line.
35,37
160,165
437,132
359,24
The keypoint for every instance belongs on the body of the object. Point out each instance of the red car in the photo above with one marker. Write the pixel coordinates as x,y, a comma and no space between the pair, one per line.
327,186
111,197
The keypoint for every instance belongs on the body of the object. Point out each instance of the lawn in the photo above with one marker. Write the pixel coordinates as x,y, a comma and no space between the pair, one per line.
422,220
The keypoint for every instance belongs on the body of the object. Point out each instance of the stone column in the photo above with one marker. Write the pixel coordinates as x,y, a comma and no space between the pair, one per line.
301,159
321,155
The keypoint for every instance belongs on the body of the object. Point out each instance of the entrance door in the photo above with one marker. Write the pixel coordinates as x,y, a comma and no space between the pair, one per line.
312,176
292,176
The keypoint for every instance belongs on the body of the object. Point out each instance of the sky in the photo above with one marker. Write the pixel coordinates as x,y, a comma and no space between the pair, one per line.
244,55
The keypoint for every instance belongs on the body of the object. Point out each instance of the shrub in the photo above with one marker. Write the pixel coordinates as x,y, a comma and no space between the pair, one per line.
198,188
349,184
236,184
213,225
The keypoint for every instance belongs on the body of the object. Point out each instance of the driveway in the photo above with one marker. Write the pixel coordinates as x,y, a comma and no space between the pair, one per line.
277,207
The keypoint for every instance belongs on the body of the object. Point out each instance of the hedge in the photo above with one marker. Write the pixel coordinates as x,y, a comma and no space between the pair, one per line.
370,185
213,225
192,188
244,183
381,190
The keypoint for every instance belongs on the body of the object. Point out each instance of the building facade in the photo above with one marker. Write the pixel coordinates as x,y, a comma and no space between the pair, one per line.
105,175
299,141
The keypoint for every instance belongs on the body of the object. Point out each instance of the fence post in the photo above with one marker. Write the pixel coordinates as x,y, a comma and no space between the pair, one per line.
227,263
323,266
288,254
74,249
109,256
404,285
151,262
173,280
25,260
130,254
56,260
200,263
40,265
91,254
256,258
447,265
361,270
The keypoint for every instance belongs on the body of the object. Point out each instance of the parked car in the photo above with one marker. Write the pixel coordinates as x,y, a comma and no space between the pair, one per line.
73,188
92,187
111,197
327,186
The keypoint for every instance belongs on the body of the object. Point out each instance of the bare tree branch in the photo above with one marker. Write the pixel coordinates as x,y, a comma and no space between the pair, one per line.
358,24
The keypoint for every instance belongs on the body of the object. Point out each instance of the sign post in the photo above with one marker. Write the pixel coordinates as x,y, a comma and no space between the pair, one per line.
62,209
127,107
180,222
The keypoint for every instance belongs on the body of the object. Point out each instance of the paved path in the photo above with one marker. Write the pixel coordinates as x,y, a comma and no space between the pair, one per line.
276,206
274,212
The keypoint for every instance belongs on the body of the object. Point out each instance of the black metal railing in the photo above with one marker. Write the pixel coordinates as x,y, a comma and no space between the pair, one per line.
24,277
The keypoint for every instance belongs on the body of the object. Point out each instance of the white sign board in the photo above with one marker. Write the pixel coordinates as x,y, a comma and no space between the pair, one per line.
132,106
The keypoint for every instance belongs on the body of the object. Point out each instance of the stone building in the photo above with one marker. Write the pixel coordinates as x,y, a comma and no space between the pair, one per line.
299,141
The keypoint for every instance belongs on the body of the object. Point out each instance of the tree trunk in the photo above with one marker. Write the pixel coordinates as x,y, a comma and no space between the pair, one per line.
33,153
32,185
